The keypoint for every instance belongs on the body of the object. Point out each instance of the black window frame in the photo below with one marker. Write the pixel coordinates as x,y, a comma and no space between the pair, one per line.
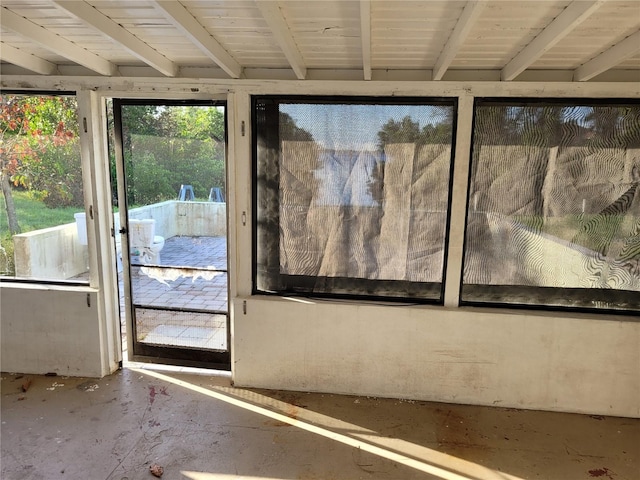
302,286
494,292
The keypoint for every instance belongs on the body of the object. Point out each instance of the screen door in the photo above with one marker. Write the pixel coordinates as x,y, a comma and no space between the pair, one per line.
171,230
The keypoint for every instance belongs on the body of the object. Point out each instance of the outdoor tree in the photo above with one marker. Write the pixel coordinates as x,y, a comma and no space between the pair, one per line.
29,128
408,130
290,131
167,146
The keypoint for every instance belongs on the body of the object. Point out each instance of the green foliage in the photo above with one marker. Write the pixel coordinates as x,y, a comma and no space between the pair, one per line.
149,181
161,165
289,131
57,176
7,264
166,147
34,214
409,131
32,129
49,115
199,123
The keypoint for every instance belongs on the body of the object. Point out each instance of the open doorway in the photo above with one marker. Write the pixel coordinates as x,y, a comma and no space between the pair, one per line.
170,217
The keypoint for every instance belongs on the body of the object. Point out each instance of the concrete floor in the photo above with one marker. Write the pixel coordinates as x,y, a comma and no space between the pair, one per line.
198,427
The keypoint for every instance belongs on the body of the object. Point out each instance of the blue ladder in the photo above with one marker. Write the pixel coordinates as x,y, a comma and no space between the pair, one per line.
186,193
215,195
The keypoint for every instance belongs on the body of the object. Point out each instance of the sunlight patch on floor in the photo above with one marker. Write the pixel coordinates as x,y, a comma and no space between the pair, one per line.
438,464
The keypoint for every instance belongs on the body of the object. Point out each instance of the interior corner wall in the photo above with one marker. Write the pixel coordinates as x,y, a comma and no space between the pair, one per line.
51,329
509,359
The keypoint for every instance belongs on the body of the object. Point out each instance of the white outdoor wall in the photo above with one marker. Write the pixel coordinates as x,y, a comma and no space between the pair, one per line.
175,217
164,213
46,328
471,356
201,219
50,253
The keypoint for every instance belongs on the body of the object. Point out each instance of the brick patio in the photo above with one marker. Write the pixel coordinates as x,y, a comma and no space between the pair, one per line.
183,287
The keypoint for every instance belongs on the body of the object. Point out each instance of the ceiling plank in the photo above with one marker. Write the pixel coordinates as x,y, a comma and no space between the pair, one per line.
56,43
273,15
120,35
365,35
470,14
608,59
572,16
180,17
26,60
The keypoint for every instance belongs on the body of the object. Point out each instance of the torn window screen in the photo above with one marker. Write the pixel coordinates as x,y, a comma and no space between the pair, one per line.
352,198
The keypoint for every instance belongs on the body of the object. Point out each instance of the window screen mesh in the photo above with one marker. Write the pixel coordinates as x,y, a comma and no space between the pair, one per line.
352,198
554,206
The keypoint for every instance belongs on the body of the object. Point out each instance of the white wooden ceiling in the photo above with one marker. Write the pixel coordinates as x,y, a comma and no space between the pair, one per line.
577,40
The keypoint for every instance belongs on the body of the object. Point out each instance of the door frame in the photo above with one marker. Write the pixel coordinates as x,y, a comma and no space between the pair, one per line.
138,351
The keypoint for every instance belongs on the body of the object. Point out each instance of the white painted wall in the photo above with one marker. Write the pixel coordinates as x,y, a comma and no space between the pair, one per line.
201,219
50,253
563,362
48,328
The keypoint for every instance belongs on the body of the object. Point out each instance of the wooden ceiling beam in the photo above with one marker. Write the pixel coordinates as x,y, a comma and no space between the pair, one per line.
572,16
182,19
277,23
470,14
92,17
55,43
608,59
26,60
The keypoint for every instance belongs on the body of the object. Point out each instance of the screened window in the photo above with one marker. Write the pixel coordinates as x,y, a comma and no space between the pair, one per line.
352,196
554,205
42,223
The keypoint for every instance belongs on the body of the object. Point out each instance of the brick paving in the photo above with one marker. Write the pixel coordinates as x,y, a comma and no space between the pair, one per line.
203,289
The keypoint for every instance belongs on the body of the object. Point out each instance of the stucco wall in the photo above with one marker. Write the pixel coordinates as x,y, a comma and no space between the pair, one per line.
50,253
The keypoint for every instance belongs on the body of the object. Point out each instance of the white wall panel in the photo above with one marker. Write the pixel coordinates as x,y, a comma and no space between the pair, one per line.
49,329
584,364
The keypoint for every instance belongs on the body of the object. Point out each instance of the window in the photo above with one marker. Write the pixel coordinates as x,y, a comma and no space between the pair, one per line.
554,205
42,225
352,196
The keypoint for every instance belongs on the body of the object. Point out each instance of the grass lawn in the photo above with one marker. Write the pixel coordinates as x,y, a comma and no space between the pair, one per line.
34,215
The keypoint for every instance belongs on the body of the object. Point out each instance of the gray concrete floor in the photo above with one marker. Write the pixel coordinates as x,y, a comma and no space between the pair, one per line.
197,426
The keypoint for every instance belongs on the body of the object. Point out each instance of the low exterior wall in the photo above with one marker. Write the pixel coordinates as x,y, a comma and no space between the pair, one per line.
50,253
164,213
201,219
56,253
552,262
